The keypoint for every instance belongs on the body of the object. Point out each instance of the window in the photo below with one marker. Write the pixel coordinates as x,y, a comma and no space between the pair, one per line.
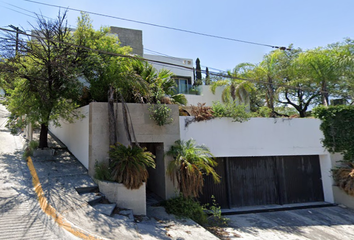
183,84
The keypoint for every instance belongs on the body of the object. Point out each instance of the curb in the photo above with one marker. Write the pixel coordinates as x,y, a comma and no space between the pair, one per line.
52,212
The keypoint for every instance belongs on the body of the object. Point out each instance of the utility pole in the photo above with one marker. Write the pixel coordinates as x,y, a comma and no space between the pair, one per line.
17,35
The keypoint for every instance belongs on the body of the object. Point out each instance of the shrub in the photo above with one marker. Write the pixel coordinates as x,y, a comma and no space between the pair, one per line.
102,172
216,219
187,208
160,113
129,165
29,150
236,112
190,162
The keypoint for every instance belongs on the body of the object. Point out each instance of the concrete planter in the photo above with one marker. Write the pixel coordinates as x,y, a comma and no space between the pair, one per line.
340,197
123,197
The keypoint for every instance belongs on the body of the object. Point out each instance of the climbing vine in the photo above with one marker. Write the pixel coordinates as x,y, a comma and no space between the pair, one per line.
338,129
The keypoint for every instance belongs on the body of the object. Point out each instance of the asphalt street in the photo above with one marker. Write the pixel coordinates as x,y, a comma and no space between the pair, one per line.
20,214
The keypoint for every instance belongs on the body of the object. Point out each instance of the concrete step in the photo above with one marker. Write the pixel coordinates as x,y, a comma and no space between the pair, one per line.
92,198
86,188
106,209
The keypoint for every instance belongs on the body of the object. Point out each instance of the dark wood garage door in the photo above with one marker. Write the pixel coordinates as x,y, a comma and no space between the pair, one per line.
251,181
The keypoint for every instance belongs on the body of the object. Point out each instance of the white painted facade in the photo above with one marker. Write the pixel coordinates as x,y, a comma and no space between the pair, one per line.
75,136
177,71
206,96
263,137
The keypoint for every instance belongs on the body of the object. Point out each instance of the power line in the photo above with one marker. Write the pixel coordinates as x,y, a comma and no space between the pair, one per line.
165,63
34,14
161,26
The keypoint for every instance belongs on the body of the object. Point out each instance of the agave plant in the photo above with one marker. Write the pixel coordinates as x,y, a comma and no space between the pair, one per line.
190,162
129,164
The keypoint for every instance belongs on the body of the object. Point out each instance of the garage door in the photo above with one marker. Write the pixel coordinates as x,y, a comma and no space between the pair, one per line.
251,181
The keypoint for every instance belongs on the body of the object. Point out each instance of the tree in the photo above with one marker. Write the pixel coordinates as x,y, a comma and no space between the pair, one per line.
297,89
207,80
190,162
265,73
198,73
321,66
236,88
45,74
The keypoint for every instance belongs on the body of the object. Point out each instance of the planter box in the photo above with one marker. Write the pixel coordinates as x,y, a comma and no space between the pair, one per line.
123,197
341,197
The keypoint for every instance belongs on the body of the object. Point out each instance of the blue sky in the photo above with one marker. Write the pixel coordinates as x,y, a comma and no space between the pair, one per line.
306,24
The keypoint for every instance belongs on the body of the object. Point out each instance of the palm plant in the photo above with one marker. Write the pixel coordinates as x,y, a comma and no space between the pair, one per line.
190,162
129,165
161,84
236,88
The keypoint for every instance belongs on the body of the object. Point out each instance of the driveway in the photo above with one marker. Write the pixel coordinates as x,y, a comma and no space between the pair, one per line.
313,223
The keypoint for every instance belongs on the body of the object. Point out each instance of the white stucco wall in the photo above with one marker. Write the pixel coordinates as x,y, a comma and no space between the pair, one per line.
178,71
263,137
257,137
206,96
75,136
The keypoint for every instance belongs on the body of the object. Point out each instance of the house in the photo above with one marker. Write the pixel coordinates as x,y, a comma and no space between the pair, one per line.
263,161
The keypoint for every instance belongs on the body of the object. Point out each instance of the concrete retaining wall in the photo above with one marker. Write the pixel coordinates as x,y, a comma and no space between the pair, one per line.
123,197
340,197
263,137
146,130
75,136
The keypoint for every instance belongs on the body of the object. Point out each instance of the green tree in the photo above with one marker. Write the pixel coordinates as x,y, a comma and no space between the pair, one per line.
44,74
297,89
105,64
322,67
236,88
198,73
207,80
190,162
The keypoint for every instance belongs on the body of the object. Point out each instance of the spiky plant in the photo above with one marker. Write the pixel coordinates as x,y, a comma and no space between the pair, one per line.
190,162
129,165
344,178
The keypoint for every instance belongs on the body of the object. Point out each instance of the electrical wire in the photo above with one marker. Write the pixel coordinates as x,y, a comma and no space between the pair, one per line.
219,74
161,26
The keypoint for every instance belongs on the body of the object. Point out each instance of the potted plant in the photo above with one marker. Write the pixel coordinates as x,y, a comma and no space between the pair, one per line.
123,182
129,165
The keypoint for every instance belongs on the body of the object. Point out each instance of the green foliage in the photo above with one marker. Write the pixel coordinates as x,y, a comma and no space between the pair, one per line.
15,123
129,165
198,73
216,219
186,207
102,172
160,113
44,74
263,112
30,148
338,129
230,109
190,162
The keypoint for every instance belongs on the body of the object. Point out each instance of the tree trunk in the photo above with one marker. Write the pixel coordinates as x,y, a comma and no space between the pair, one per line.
325,98
43,137
111,118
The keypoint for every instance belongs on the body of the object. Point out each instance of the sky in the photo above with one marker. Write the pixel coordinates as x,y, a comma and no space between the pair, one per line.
306,24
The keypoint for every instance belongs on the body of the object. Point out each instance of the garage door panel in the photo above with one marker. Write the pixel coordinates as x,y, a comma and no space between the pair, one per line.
252,181
300,179
218,190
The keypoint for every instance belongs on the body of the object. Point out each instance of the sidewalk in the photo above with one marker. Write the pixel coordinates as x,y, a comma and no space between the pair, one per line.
60,174
20,214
